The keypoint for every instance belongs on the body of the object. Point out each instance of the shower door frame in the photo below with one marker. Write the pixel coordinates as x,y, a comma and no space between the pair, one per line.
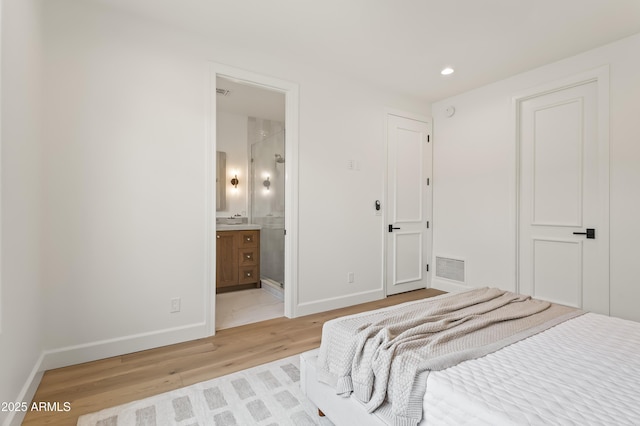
291,92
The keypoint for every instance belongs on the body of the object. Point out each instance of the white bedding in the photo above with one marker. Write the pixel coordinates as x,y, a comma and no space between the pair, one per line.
585,371
383,358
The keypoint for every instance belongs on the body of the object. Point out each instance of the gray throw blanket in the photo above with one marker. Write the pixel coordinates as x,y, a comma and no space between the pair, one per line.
383,358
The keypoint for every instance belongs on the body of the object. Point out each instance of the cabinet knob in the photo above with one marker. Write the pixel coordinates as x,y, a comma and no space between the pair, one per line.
248,274
217,236
248,256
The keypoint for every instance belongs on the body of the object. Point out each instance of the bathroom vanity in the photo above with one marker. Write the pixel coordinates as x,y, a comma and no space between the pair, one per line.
237,257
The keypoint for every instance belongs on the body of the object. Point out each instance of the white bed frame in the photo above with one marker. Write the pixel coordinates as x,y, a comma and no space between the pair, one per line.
341,411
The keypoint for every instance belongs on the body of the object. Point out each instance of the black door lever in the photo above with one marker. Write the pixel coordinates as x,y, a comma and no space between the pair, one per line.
591,233
391,228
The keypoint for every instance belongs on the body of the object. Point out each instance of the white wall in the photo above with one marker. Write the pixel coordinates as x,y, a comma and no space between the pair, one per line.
124,175
232,138
474,174
21,331
124,184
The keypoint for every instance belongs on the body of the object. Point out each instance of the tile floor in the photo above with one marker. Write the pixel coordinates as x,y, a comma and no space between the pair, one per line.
245,307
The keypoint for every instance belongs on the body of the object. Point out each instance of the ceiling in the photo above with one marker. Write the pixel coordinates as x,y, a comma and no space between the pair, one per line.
243,99
401,45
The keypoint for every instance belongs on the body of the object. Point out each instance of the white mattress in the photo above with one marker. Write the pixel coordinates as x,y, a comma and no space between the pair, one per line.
585,371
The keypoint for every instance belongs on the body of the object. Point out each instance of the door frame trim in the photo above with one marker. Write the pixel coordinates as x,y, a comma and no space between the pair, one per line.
291,92
600,76
385,192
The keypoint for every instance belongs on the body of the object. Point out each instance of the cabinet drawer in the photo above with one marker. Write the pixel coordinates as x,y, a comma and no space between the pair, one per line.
248,274
248,256
248,238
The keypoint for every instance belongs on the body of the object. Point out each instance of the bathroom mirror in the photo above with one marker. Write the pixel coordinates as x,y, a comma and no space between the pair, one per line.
221,187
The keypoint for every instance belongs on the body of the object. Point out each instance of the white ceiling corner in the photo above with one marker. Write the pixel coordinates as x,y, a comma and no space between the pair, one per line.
403,45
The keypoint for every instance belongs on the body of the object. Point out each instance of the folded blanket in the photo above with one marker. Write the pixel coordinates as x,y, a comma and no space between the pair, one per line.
383,358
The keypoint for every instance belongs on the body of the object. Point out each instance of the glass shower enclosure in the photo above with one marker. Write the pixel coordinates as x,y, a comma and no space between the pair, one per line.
267,196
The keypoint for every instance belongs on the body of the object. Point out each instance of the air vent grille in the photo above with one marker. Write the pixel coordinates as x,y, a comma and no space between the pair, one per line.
223,92
450,269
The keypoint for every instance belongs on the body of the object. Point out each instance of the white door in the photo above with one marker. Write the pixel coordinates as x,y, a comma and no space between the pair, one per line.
409,212
562,198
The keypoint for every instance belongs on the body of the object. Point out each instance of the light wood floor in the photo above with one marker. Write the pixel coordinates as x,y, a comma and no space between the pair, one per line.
101,384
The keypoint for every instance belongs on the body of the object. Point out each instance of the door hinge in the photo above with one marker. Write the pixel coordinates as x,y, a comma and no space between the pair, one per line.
427,267
428,138
285,232
427,224
428,181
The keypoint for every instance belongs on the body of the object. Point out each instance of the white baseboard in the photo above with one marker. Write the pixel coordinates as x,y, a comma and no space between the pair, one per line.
332,303
77,354
449,286
26,394
63,357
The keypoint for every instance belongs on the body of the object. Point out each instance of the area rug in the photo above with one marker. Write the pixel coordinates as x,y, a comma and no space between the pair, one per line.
268,395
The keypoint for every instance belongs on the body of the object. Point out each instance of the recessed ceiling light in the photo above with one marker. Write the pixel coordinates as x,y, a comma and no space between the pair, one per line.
447,71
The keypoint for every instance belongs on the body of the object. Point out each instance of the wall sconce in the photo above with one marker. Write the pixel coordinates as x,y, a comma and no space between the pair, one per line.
235,181
266,183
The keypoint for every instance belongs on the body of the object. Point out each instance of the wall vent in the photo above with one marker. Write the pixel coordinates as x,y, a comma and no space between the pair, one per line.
450,269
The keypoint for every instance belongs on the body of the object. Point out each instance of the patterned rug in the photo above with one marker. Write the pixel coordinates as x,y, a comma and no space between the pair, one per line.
268,395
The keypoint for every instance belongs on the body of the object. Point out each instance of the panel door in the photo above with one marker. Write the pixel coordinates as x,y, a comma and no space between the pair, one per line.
409,211
560,198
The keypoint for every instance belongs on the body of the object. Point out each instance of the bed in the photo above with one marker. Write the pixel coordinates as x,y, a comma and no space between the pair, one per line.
583,369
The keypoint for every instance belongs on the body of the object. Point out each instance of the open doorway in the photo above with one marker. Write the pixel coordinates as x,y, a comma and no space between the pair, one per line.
250,129
255,124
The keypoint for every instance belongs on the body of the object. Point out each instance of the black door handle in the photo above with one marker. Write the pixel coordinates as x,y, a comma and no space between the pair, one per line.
391,228
591,233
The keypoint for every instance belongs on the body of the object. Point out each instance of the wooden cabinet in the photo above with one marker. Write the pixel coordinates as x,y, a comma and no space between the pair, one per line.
226,259
237,260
